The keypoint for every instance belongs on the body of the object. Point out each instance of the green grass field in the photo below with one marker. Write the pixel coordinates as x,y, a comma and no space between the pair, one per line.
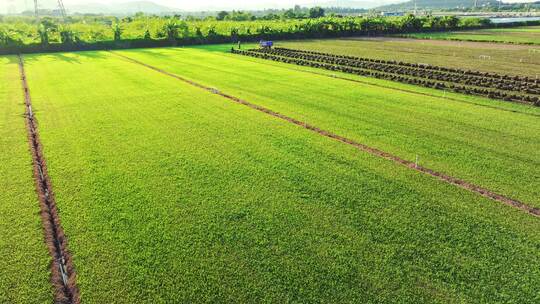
24,258
523,35
496,149
169,193
488,57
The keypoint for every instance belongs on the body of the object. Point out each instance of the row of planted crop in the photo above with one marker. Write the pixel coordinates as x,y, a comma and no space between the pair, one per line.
419,71
426,82
505,78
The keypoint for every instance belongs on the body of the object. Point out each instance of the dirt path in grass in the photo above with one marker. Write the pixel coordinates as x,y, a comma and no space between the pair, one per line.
63,275
373,151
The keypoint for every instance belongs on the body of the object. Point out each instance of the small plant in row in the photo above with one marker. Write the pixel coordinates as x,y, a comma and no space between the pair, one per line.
494,94
414,72
490,78
432,74
467,80
425,66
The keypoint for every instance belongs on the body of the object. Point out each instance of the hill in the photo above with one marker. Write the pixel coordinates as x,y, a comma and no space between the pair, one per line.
350,4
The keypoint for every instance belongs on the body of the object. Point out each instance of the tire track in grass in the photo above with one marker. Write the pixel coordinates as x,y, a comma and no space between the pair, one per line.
365,148
63,275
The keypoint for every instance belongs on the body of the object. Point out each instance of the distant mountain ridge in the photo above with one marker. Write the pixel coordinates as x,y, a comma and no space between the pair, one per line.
150,7
127,8
436,4
351,3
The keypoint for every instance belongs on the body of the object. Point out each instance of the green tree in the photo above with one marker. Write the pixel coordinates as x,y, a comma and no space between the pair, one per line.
289,14
451,22
117,32
43,33
222,15
234,34
183,29
147,35
49,23
67,36
4,37
198,32
171,29
411,23
316,12
212,31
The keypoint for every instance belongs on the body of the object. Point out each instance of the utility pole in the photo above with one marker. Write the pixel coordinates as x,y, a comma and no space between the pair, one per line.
36,9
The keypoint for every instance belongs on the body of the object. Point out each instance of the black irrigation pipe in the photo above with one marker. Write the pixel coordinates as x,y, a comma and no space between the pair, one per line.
63,277
362,147
398,89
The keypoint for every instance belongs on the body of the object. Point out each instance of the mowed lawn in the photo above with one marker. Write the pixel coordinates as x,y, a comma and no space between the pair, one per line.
491,147
528,35
523,60
169,193
24,260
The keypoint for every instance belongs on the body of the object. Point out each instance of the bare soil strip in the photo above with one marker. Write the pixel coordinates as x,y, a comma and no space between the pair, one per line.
63,275
373,151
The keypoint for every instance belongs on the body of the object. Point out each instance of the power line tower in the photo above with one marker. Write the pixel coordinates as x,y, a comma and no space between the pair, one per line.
61,8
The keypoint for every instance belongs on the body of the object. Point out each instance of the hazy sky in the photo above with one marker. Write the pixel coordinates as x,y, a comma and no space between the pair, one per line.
192,4
183,4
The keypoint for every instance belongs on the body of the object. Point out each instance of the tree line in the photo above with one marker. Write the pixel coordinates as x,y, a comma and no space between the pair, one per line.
141,30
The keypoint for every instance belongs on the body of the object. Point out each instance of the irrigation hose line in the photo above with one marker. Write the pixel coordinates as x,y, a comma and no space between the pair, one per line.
63,277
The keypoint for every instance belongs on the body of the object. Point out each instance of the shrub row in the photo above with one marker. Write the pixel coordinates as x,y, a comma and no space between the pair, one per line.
490,93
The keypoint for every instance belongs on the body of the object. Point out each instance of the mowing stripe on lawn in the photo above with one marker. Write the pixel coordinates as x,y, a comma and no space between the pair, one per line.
63,275
334,76
373,151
